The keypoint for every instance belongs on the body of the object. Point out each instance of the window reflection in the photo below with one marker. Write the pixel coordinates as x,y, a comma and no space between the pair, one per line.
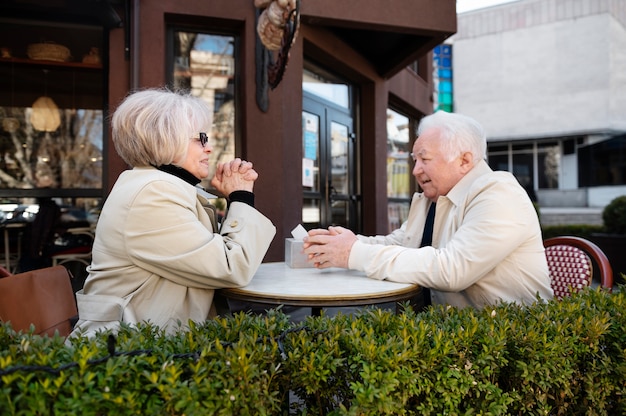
324,85
204,64
68,157
398,168
339,157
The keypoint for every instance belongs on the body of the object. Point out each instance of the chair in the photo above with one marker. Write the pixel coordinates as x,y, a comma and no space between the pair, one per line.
81,252
42,297
571,263
76,255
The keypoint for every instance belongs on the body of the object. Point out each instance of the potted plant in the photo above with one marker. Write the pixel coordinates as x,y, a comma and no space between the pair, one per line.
613,240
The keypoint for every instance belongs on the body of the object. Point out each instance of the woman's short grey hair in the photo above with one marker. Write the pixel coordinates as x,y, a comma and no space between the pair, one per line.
459,134
154,126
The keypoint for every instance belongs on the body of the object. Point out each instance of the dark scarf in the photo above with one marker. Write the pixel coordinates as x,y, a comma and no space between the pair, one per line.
240,196
179,173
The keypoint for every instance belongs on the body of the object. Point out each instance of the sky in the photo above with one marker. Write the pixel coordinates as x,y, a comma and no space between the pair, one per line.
467,5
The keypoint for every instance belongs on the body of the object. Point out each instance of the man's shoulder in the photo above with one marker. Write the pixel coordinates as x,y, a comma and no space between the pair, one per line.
499,176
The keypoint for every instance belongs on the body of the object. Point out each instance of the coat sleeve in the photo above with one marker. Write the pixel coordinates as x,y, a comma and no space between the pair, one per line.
169,234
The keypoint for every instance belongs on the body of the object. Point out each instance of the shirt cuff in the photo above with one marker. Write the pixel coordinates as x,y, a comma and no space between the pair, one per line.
359,256
241,196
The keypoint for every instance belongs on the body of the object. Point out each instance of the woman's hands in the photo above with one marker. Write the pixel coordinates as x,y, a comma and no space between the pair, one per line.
236,175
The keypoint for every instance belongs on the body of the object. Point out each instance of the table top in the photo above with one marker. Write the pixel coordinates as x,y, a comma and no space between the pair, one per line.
277,283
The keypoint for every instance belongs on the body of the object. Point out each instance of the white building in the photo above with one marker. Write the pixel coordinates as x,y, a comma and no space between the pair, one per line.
547,79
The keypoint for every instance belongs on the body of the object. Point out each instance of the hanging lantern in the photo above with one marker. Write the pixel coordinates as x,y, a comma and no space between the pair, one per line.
45,115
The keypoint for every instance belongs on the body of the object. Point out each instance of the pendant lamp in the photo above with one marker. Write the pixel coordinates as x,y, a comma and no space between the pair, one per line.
45,115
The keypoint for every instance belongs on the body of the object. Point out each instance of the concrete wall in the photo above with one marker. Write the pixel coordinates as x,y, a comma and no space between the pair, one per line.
543,68
600,196
562,198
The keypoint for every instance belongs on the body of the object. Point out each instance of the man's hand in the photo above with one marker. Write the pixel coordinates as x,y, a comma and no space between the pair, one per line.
329,248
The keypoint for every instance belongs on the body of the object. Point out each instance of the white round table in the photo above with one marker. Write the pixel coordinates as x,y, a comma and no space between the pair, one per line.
279,284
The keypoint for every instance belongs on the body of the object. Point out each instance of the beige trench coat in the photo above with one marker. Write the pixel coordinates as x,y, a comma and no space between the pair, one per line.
158,257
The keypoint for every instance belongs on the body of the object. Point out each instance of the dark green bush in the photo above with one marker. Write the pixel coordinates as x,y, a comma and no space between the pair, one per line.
614,215
555,358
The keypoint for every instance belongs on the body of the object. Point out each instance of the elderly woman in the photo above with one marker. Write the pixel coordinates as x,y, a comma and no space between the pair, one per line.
159,252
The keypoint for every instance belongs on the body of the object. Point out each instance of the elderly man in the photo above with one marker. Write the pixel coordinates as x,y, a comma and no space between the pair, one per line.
483,243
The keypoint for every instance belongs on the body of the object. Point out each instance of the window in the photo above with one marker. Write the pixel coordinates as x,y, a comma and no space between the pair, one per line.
52,95
442,78
549,165
319,82
536,165
205,64
603,163
400,136
51,100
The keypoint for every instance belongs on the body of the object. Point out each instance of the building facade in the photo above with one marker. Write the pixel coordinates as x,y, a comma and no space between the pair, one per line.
310,108
547,78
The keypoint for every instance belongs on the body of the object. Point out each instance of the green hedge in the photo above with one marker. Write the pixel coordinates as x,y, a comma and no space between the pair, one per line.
554,358
578,230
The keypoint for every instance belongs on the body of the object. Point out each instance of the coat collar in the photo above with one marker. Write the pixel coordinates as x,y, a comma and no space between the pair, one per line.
457,193
180,173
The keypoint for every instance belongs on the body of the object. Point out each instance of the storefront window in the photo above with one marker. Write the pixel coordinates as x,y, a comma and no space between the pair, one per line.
204,64
52,90
51,100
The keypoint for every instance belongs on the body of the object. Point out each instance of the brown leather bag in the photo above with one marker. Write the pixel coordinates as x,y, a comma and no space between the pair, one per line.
42,297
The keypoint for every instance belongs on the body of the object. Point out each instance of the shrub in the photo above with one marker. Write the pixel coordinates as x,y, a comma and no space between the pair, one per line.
559,357
614,215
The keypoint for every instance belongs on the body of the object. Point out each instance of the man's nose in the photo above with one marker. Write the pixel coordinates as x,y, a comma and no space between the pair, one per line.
417,168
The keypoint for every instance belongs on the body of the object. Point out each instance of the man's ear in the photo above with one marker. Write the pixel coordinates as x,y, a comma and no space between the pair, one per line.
467,162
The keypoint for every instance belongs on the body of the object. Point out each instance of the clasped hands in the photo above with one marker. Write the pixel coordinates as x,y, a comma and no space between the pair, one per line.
236,175
329,248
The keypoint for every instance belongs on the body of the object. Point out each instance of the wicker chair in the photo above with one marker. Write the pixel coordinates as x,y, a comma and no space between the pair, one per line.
571,262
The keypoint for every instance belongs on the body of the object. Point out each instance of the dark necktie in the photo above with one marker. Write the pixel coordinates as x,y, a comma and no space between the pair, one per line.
427,240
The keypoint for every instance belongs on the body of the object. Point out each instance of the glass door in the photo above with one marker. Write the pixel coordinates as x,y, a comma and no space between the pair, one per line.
328,165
